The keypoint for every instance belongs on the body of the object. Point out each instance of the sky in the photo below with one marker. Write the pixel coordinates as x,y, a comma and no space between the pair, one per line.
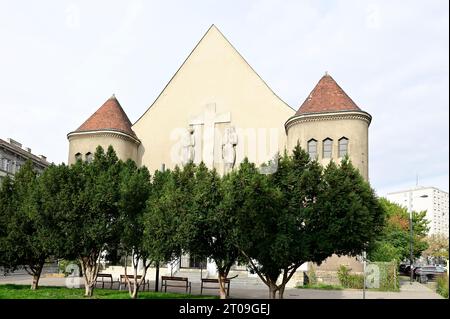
60,60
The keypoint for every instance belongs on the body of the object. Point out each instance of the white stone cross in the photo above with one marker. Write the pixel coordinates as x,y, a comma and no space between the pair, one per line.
208,119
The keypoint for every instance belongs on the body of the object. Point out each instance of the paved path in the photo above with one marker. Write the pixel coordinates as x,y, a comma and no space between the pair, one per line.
252,291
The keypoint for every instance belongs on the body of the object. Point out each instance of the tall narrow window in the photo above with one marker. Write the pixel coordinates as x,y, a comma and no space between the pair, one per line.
78,157
89,157
312,148
343,146
327,148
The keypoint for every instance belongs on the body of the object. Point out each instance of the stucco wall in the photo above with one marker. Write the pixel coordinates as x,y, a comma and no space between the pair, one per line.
214,73
124,147
356,130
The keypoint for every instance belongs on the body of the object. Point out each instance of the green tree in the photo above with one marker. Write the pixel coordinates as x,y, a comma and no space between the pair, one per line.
394,239
25,237
257,207
349,216
162,238
299,214
92,222
208,227
54,194
134,193
437,246
7,210
385,251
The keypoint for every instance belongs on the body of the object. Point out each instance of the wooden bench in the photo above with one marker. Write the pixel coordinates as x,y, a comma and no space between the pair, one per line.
103,277
184,283
123,281
206,281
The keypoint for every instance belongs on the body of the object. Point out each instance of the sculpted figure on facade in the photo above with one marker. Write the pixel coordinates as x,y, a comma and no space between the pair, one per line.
229,143
187,147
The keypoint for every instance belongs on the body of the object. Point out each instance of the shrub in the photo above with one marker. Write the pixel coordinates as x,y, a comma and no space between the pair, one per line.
348,280
320,286
442,286
385,251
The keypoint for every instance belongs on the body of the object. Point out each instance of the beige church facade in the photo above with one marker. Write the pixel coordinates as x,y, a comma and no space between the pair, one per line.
218,110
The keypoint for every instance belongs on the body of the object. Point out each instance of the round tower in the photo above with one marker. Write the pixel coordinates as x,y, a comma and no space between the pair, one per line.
109,125
329,125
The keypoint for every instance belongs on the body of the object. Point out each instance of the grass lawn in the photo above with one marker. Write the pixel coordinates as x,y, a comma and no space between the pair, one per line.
45,292
321,286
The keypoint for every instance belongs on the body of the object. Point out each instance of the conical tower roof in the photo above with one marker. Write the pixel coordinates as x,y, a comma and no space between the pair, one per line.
110,116
327,96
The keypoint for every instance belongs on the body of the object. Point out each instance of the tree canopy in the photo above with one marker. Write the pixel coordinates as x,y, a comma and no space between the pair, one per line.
134,191
27,226
301,214
394,239
272,220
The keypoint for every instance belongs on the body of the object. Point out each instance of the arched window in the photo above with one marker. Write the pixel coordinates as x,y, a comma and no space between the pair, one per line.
327,148
343,146
312,148
89,157
78,157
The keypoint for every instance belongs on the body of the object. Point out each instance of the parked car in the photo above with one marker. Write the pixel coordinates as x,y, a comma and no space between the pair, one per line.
407,269
426,273
416,270
402,268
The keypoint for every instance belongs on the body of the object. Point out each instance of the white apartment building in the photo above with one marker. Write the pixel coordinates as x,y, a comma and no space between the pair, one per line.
431,199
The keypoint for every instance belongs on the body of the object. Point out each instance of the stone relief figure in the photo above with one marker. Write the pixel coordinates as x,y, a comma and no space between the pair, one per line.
230,140
187,147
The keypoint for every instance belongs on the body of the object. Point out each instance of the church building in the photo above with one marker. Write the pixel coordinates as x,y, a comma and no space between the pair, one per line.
218,110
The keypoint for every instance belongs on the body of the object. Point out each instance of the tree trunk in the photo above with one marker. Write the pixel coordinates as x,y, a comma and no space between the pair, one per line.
281,291
88,290
36,276
133,286
273,292
90,267
287,275
34,284
222,290
144,273
281,287
273,288
134,293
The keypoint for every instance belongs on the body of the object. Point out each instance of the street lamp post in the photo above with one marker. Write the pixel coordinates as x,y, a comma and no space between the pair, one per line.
411,247
163,169
364,273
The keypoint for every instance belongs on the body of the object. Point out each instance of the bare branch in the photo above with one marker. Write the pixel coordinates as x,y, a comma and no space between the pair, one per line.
255,268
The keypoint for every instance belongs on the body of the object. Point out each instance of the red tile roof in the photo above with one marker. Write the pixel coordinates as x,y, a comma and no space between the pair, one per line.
327,96
110,116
